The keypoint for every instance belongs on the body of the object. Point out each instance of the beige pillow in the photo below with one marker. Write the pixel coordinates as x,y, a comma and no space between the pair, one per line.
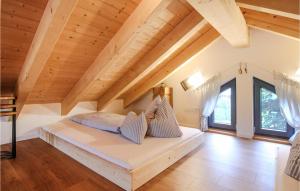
151,109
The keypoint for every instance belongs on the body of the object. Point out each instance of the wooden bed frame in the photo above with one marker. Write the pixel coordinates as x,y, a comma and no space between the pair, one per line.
126,179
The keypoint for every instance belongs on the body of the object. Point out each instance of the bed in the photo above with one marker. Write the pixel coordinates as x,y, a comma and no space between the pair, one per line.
119,160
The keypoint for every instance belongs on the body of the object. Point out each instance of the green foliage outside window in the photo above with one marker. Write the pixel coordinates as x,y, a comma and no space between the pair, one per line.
271,117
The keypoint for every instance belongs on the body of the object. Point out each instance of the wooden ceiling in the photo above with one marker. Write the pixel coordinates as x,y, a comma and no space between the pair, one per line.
19,21
84,50
90,27
290,6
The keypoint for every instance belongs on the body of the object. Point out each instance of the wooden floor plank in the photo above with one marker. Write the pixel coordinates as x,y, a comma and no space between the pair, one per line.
222,163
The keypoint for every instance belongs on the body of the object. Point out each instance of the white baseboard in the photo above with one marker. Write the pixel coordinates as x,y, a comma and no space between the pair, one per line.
27,136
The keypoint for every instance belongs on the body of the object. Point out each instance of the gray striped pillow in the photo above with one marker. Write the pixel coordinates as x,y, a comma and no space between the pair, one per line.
134,127
164,124
293,165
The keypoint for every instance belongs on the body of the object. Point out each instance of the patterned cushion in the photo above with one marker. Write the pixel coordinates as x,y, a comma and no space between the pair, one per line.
151,109
134,127
293,165
164,124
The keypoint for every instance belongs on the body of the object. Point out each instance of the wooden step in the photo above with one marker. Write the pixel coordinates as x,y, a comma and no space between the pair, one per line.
7,98
7,106
7,113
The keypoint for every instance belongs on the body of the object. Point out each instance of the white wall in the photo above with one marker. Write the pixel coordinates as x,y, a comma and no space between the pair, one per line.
267,52
34,116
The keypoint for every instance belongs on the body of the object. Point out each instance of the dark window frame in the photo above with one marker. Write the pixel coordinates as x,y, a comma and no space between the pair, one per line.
257,85
230,84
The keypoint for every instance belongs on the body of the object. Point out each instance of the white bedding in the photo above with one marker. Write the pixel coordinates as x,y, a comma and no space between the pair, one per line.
114,147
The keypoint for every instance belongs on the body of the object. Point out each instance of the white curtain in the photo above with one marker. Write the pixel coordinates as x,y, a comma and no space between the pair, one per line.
206,97
288,92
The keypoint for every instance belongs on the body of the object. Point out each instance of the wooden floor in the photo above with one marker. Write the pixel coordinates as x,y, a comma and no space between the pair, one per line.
221,163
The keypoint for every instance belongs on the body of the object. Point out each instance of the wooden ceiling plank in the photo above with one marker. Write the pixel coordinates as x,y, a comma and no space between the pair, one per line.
285,22
104,10
55,17
270,11
123,5
14,8
207,35
258,24
18,23
116,46
226,18
34,3
281,25
290,8
180,35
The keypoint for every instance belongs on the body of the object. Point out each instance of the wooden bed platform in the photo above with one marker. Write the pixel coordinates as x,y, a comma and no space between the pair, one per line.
126,179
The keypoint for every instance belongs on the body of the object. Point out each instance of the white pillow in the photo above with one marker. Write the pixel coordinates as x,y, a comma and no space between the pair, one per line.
134,127
100,120
151,109
164,124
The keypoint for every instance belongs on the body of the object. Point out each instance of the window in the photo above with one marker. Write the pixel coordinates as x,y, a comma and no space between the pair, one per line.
224,115
268,119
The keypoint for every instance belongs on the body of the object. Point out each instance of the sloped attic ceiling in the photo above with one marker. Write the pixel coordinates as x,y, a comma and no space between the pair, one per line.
19,21
102,49
89,29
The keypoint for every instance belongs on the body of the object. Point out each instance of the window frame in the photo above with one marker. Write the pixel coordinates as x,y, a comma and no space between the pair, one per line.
257,85
230,84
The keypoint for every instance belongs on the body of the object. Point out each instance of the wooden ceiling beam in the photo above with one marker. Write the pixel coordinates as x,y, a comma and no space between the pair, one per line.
207,35
116,47
275,23
55,17
226,17
174,40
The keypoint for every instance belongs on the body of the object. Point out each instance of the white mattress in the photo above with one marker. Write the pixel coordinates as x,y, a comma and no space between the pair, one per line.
114,147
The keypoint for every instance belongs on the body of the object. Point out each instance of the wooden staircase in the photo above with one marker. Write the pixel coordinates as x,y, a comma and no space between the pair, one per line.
8,108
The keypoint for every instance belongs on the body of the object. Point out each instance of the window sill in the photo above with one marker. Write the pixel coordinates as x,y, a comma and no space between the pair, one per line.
256,137
271,139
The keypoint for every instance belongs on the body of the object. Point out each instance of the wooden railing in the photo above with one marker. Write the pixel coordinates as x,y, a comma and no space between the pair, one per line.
8,109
